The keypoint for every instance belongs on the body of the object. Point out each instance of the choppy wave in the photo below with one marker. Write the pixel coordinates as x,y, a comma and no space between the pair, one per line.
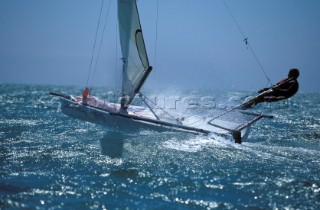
51,161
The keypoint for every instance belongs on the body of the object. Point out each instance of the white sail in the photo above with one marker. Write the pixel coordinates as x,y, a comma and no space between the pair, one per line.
135,59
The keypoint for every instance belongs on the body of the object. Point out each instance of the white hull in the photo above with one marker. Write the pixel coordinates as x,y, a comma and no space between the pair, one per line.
110,120
129,123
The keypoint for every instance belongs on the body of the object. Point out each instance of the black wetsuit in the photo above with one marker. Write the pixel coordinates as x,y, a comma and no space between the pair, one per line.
282,90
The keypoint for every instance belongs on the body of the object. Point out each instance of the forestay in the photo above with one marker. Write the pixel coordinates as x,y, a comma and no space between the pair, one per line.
135,59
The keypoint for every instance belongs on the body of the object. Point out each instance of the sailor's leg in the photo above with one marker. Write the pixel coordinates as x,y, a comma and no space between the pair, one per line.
273,98
251,103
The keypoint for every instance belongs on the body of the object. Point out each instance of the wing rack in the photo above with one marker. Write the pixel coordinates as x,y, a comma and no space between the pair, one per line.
236,132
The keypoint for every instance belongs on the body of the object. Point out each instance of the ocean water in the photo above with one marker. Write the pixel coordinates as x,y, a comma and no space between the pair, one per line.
51,161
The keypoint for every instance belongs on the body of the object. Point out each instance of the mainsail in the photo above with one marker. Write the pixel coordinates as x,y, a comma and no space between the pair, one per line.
135,59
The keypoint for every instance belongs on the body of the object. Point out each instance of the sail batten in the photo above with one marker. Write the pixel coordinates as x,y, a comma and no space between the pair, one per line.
135,59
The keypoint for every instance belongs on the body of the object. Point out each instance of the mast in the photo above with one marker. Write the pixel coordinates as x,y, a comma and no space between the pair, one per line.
136,66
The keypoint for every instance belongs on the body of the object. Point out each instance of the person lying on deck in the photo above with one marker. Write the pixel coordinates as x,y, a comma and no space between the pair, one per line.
284,89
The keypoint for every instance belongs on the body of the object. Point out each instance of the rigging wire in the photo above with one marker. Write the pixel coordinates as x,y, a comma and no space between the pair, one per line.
158,107
116,61
156,38
94,44
245,39
97,58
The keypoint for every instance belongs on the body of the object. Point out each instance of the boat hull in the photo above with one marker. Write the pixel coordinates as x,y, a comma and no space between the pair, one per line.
115,121
110,120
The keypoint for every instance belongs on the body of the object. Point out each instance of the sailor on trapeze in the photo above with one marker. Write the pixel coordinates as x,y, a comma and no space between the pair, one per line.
284,89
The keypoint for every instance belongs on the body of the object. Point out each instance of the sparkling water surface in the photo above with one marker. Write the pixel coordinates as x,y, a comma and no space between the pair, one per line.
51,161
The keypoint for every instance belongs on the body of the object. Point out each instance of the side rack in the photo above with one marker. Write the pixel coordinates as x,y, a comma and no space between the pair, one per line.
236,132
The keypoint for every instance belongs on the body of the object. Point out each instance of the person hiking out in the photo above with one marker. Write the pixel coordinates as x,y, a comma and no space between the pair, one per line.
284,89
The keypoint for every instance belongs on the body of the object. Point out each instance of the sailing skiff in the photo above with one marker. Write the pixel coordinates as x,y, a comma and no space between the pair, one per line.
123,116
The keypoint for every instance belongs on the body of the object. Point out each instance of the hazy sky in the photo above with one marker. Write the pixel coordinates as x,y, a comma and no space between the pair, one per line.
198,44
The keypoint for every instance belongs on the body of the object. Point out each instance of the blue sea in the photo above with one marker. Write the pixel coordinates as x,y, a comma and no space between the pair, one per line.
51,161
